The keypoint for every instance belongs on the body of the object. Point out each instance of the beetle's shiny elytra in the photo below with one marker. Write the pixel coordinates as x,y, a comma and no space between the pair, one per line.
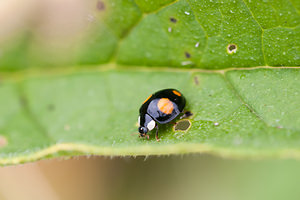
160,107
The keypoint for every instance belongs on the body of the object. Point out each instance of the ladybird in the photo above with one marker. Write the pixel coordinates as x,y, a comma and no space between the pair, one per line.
161,107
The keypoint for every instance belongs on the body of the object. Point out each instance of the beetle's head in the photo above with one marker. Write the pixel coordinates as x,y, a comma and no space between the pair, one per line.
143,131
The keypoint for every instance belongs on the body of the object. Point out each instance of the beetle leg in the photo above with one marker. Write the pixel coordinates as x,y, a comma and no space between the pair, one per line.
156,134
186,114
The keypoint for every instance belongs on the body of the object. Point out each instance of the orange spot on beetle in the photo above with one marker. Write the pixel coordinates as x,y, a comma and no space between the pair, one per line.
147,99
165,106
176,93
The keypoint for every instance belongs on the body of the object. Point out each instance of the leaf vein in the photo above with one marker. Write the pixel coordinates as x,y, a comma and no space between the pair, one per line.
262,31
34,120
252,110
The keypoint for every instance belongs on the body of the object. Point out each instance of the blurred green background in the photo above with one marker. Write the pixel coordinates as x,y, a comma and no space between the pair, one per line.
166,177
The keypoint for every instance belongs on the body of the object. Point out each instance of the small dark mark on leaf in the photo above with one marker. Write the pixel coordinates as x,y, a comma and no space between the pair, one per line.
187,54
172,19
196,80
231,48
51,107
182,125
100,5
23,101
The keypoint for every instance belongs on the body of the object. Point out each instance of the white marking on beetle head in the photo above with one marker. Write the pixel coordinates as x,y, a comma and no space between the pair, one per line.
139,120
151,125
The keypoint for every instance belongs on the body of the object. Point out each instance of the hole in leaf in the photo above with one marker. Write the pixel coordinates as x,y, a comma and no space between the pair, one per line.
182,125
3,141
231,48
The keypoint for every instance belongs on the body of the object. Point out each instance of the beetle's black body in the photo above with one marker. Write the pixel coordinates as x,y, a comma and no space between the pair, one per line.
150,106
162,107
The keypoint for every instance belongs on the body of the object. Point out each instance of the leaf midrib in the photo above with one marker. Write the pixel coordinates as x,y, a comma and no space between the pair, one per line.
36,72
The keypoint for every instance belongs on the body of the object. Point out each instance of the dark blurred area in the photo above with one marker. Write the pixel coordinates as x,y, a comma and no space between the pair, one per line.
51,33
165,177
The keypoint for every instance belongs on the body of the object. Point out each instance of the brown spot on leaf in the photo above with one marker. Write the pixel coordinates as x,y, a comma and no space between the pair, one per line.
50,107
100,5
172,19
196,80
23,101
187,54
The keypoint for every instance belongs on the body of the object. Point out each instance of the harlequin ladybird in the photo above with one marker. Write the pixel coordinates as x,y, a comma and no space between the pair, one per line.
160,107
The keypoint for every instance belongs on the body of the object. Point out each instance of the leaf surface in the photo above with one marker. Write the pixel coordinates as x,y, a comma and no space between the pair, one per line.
235,114
236,62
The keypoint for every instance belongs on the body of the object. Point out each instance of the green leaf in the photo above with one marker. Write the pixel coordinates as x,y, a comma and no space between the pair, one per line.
163,33
130,49
236,113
